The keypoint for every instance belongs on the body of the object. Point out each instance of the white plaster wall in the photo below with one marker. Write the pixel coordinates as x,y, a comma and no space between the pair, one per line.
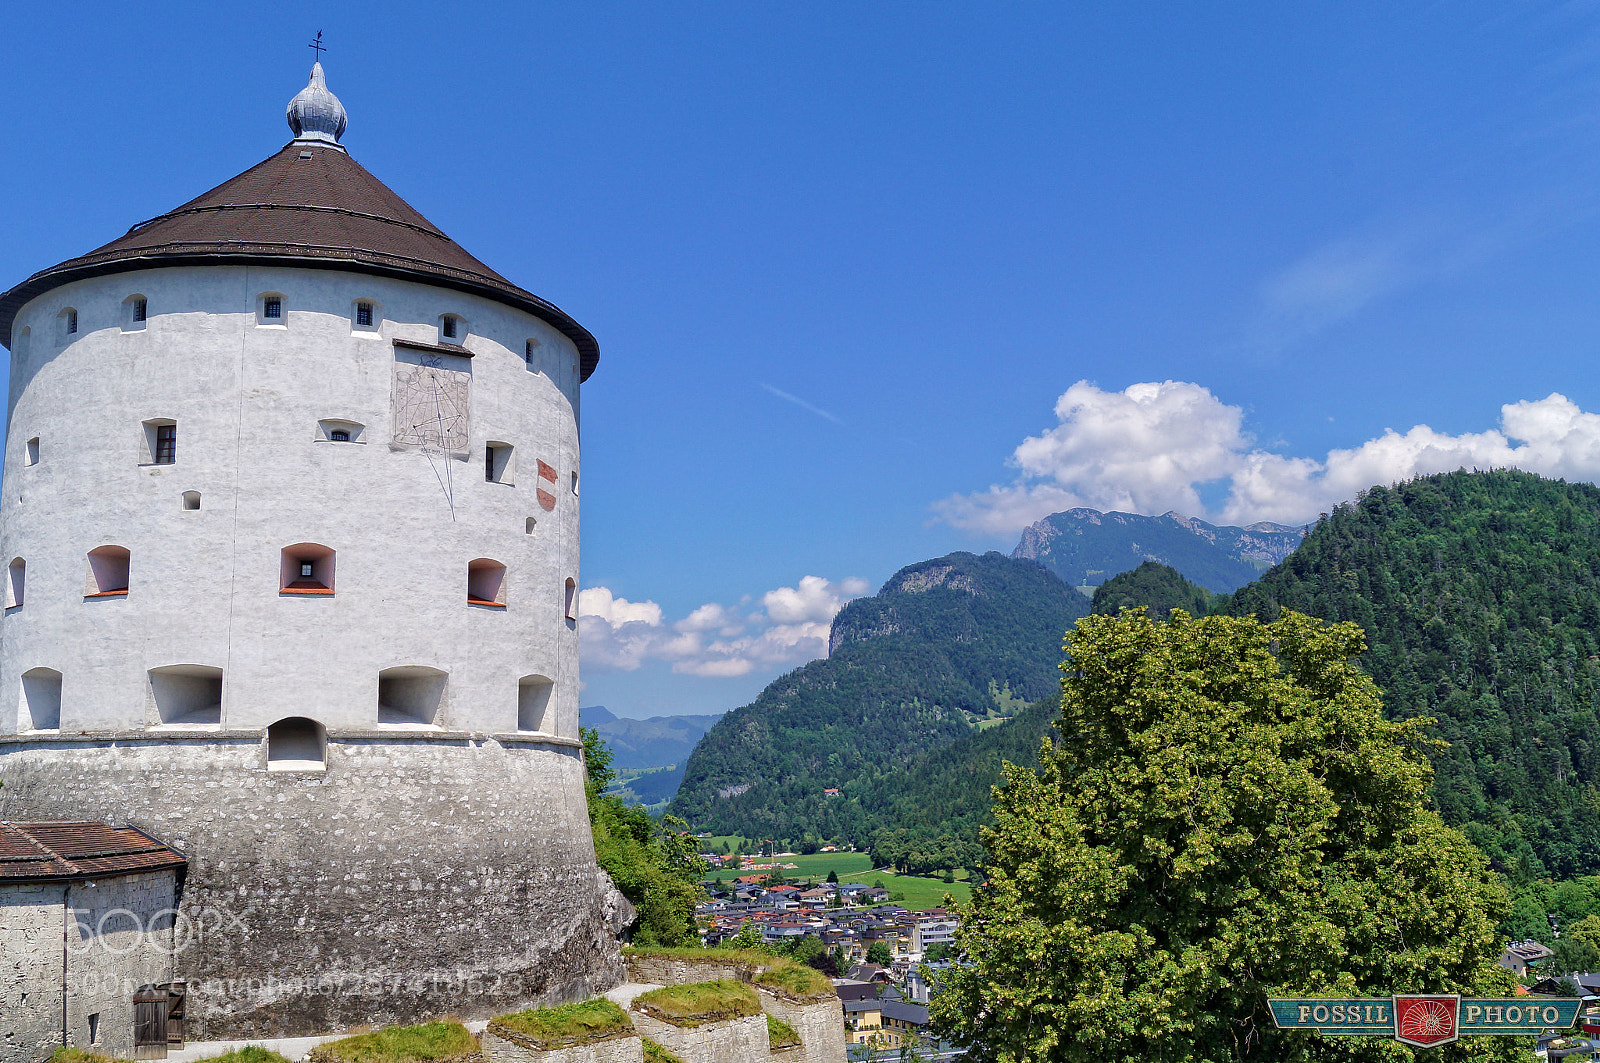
247,400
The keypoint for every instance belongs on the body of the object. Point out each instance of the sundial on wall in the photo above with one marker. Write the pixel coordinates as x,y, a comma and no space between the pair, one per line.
430,403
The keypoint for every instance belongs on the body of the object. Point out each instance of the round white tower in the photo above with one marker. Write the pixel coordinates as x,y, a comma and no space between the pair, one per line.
290,512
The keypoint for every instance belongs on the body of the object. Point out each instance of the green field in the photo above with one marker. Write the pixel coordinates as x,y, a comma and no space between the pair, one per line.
857,867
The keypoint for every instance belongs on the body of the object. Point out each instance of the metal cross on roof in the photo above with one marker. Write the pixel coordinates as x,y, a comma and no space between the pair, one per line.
317,46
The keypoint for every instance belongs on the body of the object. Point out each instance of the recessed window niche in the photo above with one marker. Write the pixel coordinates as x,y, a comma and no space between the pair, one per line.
16,580
572,599
337,430
107,575
135,313
497,467
486,583
410,696
39,708
364,315
533,704
67,323
191,500
270,312
306,568
186,695
297,744
452,329
30,453
160,442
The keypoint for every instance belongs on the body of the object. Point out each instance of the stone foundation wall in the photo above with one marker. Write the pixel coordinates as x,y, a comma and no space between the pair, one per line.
415,877
731,1041
659,970
505,1049
820,1026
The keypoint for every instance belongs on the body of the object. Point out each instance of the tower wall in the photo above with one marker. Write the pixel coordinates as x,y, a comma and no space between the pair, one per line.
416,877
426,866
247,398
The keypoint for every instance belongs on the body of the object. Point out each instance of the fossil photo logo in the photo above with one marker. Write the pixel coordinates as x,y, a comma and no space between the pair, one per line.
1425,1020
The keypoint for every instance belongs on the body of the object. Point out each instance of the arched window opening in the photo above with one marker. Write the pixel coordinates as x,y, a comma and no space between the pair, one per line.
67,322
17,572
530,525
452,329
135,312
297,744
572,599
40,705
338,430
108,572
191,500
497,462
306,568
160,441
533,704
187,695
486,583
410,696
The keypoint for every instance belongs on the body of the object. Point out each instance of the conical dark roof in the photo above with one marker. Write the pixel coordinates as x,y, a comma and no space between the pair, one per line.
308,205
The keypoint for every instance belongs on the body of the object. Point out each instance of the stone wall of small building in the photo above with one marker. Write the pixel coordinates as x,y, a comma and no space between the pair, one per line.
98,941
418,875
503,1047
820,1025
731,1041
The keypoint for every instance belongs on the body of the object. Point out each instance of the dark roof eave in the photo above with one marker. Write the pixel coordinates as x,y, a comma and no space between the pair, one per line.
45,280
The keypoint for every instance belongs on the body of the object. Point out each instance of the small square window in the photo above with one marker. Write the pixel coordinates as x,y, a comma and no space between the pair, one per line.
272,308
364,315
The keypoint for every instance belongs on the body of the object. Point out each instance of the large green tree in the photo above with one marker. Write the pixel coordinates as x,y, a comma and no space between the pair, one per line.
656,865
1225,817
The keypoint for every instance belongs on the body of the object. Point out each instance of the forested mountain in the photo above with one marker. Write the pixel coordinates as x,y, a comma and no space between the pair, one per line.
1086,547
945,645
651,743
1480,596
1159,589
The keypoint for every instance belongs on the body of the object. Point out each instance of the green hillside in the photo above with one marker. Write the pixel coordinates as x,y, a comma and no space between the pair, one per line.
945,645
1480,596
1158,589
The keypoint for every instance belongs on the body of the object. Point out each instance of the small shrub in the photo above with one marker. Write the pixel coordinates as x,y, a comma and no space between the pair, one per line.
654,1053
568,1024
247,1054
780,1034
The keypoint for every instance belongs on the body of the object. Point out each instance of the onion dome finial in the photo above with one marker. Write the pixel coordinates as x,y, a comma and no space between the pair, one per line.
316,114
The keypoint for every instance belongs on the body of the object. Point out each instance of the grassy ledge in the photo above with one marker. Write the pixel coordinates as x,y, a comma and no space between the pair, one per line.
699,1003
247,1054
565,1025
654,1053
780,1034
797,981
425,1043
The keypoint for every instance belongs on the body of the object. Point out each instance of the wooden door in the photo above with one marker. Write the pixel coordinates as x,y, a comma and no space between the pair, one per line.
175,994
150,1024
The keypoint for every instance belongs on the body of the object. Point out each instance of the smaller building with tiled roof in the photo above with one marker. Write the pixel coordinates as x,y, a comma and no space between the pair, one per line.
114,891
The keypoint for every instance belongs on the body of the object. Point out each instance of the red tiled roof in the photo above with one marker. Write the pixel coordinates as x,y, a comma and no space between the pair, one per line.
307,205
42,851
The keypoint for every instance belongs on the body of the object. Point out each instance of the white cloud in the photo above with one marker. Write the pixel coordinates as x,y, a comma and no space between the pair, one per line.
714,640
1150,448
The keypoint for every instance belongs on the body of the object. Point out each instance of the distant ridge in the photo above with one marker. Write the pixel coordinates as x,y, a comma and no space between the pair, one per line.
1086,547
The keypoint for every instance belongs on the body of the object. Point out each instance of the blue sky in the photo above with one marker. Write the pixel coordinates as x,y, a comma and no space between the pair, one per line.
877,282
